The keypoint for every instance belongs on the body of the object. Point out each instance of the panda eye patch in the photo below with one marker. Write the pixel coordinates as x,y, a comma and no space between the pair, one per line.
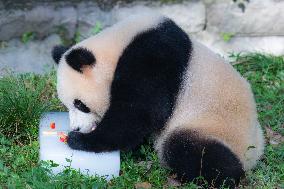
81,106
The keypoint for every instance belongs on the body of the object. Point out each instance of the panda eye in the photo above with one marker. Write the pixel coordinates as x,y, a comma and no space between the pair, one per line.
81,106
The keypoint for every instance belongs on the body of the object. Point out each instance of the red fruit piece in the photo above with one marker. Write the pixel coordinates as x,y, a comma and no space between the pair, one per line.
63,137
52,125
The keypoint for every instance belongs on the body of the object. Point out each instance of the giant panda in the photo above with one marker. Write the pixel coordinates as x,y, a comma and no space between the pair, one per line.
145,77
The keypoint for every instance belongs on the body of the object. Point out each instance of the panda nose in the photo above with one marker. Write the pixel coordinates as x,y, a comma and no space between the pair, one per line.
77,129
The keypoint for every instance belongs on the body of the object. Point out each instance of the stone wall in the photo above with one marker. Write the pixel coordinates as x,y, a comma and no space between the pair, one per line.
223,25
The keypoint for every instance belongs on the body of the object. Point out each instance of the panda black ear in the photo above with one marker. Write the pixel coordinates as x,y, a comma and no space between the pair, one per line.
79,57
57,52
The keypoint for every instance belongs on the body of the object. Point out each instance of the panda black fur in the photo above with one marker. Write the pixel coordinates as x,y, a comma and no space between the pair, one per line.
144,76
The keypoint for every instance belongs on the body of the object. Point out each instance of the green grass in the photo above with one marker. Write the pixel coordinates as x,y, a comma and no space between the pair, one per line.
28,36
23,99
266,75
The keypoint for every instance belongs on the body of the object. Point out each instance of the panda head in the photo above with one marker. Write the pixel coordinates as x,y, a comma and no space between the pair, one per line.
86,70
82,85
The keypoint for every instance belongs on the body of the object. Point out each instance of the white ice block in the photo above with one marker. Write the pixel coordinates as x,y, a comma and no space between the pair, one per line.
51,148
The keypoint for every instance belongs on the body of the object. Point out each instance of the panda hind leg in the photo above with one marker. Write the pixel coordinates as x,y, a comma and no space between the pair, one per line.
190,156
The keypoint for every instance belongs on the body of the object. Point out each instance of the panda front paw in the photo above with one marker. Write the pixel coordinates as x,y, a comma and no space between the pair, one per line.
76,140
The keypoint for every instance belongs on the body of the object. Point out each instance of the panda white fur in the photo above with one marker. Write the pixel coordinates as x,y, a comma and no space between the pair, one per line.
145,77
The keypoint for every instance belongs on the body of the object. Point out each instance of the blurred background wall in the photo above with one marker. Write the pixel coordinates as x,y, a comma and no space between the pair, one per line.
29,29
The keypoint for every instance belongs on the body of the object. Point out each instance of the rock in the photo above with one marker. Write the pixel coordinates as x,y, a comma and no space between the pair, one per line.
34,56
265,44
42,20
259,28
189,15
259,18
89,15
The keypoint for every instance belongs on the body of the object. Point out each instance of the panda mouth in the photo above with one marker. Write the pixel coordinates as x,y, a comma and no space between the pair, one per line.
94,126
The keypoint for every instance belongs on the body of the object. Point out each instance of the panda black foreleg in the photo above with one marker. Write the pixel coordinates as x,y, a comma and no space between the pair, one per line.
122,128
